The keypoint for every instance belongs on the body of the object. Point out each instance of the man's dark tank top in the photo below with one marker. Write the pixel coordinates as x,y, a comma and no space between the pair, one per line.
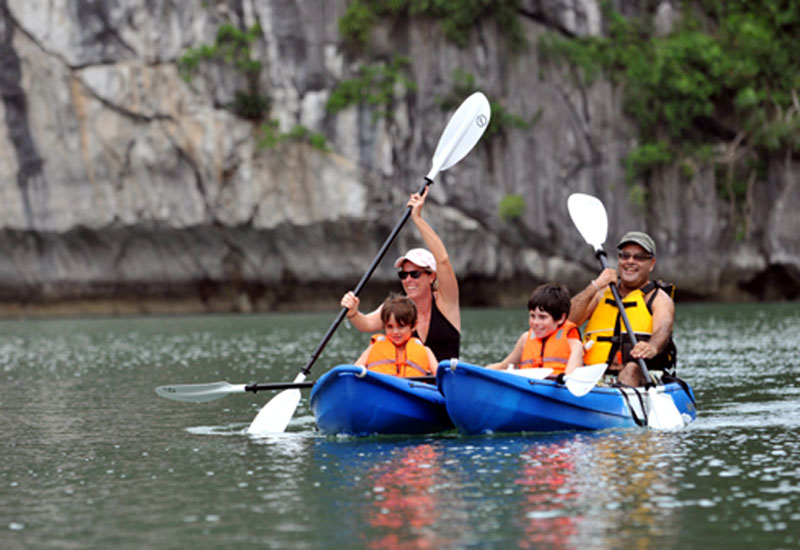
443,338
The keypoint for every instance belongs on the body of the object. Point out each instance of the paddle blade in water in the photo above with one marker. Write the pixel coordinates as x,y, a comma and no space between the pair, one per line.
662,413
276,414
583,379
589,216
199,393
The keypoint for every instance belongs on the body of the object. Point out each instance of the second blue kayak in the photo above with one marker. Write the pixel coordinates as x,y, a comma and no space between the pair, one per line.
480,400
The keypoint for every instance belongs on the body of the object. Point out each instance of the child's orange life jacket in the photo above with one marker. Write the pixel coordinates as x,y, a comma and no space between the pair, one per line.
406,361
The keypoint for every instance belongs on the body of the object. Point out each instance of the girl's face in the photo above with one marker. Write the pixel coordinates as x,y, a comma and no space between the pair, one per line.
542,323
397,333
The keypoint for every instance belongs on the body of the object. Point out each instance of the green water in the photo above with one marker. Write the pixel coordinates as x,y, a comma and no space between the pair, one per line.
92,458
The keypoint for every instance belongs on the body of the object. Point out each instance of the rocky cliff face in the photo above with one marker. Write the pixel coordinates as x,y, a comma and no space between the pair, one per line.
125,187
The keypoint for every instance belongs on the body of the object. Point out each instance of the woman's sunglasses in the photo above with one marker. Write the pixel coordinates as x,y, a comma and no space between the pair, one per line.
415,274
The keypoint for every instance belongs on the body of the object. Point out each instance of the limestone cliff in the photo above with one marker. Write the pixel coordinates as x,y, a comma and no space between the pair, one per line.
125,187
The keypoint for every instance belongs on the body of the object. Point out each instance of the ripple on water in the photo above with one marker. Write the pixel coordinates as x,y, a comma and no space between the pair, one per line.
237,428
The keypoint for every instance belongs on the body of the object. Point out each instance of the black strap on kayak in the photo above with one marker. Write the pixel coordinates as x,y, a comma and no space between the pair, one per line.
668,378
622,387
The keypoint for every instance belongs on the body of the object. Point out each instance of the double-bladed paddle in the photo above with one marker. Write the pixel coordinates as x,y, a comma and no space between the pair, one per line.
201,393
589,216
462,132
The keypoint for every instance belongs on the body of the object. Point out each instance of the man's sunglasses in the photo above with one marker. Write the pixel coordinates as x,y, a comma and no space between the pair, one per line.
415,274
637,257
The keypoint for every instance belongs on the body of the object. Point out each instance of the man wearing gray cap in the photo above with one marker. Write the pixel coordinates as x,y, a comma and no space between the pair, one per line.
650,309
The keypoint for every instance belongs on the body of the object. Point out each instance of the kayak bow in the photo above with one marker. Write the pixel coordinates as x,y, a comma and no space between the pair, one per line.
354,401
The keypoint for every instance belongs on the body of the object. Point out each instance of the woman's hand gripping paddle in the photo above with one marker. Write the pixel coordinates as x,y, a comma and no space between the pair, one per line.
462,132
589,216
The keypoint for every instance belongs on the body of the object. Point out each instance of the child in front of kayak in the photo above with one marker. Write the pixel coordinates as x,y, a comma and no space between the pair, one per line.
395,351
551,341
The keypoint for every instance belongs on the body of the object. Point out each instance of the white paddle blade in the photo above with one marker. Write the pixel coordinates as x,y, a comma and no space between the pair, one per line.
276,414
535,373
583,379
199,393
589,216
662,413
462,132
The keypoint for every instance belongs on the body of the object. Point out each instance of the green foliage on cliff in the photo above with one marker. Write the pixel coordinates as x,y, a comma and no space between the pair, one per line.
271,136
232,47
511,207
376,85
456,17
725,80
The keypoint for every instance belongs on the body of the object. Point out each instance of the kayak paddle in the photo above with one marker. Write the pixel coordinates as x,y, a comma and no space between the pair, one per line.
579,382
201,393
589,216
462,132
583,379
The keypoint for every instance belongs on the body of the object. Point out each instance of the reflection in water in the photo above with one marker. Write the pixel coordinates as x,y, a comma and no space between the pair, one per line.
583,490
383,492
405,499
544,479
604,490
635,472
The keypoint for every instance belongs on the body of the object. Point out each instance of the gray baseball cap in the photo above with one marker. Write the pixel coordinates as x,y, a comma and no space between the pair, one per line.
637,237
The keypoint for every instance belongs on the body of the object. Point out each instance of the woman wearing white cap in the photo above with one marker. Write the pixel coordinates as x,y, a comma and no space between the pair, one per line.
428,279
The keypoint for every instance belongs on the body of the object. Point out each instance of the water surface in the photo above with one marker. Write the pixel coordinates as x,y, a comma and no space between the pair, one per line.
92,458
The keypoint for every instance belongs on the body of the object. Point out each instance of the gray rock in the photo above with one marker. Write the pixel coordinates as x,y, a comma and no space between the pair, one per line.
120,181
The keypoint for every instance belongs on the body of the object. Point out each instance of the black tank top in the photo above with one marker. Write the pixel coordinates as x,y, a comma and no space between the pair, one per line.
443,338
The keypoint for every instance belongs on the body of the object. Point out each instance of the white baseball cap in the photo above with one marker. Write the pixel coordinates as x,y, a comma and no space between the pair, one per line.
418,256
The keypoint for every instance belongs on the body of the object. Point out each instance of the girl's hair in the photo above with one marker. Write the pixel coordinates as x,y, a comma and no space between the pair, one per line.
552,298
402,307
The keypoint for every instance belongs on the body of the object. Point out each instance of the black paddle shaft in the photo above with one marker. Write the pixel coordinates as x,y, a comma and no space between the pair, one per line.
254,387
363,281
601,255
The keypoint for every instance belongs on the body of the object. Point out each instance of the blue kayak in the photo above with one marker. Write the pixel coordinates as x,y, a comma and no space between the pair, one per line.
353,401
481,400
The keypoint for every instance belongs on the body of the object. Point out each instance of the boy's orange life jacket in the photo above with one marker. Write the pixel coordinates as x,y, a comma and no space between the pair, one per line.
553,352
406,361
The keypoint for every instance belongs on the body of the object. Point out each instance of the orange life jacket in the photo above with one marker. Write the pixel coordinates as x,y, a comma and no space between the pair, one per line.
553,352
406,361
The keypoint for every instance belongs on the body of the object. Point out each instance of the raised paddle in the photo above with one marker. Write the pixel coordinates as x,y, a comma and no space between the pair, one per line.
201,393
462,132
589,216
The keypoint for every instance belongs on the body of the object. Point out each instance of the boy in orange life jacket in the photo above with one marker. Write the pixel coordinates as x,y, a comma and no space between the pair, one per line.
552,341
396,352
